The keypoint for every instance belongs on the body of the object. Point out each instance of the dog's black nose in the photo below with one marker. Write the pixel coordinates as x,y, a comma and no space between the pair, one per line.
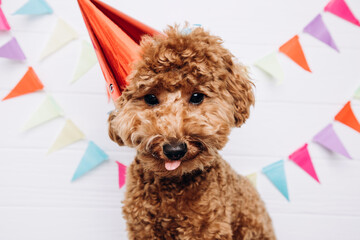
174,151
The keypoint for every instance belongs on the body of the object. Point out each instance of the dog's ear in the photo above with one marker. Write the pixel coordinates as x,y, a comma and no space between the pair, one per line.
112,133
240,87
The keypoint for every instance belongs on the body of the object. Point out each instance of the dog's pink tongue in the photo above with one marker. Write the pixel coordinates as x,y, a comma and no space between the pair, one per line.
172,165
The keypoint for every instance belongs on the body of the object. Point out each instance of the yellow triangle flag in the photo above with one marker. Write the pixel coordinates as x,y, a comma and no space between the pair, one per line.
253,178
62,34
47,111
270,65
68,135
86,61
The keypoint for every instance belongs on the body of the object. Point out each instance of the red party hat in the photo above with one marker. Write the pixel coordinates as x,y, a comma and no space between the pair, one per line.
116,38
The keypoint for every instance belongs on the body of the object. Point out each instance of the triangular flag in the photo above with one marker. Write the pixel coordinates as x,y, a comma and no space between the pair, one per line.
252,178
302,158
29,83
86,61
122,174
317,29
347,117
34,7
68,135
47,111
293,50
329,139
4,25
270,64
342,10
116,38
92,158
357,93
62,34
275,172
12,50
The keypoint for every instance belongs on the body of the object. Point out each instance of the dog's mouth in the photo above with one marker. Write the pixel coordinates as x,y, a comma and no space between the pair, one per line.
175,159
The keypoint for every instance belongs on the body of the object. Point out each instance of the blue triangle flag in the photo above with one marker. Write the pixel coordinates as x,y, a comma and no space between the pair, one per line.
93,157
276,174
34,7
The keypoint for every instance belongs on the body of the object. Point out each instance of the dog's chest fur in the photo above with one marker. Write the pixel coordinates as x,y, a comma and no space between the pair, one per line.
171,208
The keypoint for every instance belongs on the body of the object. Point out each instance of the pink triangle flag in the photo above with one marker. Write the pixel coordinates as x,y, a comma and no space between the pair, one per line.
318,29
122,174
342,10
329,139
12,50
302,158
4,25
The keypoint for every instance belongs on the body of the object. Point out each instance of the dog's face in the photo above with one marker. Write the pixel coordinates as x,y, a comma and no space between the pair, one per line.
184,96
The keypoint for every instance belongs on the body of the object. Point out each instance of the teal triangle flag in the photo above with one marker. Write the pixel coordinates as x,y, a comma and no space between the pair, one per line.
34,7
275,172
92,158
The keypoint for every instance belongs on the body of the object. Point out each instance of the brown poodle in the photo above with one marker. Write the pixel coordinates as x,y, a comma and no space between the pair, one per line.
183,98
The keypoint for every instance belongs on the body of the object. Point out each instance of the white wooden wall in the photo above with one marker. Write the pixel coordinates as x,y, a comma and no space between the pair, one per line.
37,200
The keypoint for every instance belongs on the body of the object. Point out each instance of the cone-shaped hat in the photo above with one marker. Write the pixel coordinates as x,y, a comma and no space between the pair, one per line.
116,38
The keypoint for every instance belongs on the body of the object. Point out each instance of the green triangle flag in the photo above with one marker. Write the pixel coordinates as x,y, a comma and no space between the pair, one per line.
92,158
62,34
270,65
47,111
357,93
68,135
86,61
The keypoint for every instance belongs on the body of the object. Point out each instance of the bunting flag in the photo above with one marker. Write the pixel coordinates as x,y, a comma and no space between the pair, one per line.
270,65
293,50
317,29
86,61
12,50
252,178
122,174
302,158
47,111
4,25
275,172
357,93
347,117
29,83
68,135
329,139
34,7
342,10
62,34
92,158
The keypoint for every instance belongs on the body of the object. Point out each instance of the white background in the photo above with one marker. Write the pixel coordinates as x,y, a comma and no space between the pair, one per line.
37,199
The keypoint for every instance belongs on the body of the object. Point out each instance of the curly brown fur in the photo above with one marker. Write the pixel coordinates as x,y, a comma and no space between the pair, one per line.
203,198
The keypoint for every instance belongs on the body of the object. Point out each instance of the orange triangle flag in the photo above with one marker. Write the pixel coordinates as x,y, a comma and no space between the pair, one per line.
293,50
29,83
347,117
116,38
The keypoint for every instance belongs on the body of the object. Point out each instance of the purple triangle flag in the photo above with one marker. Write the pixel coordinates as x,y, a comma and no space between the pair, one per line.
12,50
318,29
329,139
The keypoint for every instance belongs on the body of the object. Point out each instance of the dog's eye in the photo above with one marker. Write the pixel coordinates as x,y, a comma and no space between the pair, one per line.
196,98
151,99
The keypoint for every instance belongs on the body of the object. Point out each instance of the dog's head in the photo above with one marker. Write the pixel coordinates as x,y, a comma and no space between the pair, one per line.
184,96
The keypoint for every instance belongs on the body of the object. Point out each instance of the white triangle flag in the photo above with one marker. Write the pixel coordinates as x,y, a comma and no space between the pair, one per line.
47,111
62,34
86,61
